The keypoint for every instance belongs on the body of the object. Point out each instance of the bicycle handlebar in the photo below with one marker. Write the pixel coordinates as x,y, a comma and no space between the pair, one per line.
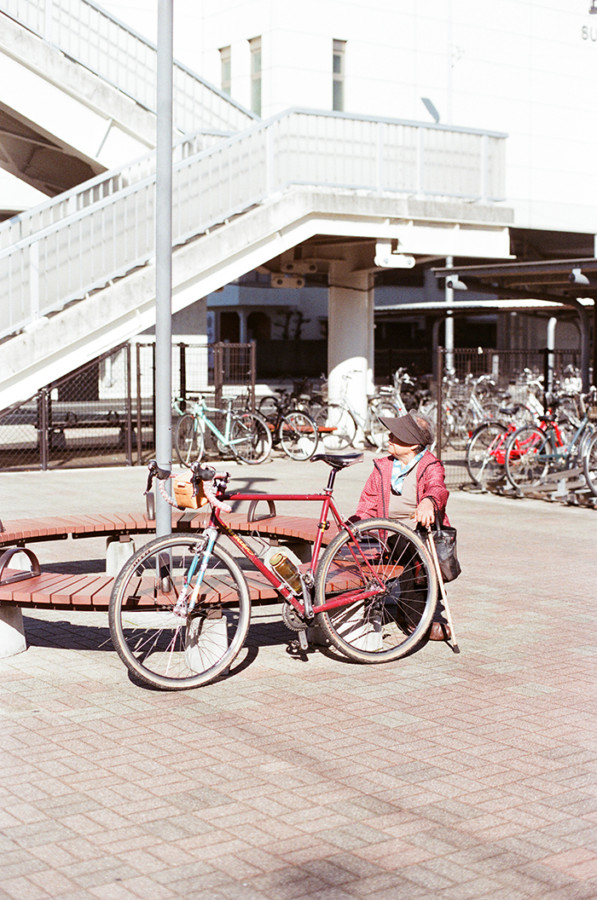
199,474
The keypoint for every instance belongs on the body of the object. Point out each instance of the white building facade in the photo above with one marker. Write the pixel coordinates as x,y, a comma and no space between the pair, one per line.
523,67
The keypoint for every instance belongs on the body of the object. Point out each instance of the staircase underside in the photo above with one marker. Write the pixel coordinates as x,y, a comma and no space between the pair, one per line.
59,344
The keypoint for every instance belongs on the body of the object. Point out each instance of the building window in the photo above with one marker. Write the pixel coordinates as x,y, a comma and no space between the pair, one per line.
255,46
225,70
338,69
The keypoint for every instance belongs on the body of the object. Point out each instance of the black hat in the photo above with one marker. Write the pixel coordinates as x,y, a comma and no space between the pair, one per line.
406,429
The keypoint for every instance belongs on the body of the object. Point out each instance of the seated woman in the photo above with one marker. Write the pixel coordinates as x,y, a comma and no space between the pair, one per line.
408,485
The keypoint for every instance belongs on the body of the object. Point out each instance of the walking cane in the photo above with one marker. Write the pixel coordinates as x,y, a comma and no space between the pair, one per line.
442,589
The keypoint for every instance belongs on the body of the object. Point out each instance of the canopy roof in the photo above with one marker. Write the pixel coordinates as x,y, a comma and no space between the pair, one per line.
559,280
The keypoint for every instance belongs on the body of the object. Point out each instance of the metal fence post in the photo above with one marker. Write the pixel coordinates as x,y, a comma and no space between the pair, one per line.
253,373
182,371
218,372
139,408
128,407
42,427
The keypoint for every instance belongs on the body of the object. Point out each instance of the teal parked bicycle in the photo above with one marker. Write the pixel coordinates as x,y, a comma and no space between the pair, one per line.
244,434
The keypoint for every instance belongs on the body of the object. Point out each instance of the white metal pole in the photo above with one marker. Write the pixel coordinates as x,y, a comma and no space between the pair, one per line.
163,256
449,324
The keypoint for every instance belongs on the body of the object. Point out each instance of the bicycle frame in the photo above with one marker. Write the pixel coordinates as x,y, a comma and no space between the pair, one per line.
216,526
560,449
200,413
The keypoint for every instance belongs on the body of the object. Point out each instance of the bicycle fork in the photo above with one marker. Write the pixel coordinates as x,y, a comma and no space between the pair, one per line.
188,596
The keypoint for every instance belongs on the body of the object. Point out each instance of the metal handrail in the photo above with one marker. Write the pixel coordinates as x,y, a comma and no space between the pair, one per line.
57,209
83,251
125,59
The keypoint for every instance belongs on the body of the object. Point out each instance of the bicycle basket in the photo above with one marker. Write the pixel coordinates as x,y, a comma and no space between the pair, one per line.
184,493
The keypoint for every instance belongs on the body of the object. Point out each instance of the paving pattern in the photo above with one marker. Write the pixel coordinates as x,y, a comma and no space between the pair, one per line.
443,775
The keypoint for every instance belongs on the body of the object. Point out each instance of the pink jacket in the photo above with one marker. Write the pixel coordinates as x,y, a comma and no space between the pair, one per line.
375,496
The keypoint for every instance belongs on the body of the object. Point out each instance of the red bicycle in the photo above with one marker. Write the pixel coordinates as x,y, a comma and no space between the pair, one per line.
490,447
181,606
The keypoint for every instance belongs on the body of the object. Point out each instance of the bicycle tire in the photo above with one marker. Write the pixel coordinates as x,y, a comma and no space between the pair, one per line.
189,440
590,465
378,433
486,454
166,650
391,560
268,407
298,435
337,427
530,454
250,438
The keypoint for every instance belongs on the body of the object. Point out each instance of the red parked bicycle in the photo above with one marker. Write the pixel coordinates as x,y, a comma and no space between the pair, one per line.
181,606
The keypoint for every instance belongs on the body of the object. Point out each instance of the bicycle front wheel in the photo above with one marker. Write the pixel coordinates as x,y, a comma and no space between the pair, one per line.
250,438
384,587
530,453
159,642
590,464
188,440
298,435
486,454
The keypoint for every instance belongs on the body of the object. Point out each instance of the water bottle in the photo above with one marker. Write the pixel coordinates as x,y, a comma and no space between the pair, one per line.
287,570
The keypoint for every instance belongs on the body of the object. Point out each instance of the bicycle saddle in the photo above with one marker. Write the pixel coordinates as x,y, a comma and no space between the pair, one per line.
339,460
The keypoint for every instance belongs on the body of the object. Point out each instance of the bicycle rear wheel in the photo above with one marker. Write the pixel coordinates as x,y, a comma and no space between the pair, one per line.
166,648
188,440
486,454
590,464
385,585
298,435
530,453
250,438
337,428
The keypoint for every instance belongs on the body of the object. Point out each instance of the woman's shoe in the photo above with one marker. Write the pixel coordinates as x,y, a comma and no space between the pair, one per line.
439,632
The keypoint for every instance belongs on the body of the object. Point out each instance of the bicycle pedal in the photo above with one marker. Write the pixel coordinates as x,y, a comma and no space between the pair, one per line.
303,642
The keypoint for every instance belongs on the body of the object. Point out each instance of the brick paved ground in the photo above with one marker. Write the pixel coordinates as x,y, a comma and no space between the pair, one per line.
469,776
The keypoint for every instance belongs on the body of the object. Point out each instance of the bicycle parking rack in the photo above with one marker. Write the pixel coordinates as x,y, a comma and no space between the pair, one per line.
568,486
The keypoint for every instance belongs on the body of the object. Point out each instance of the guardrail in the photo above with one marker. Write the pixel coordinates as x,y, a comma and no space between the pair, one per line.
78,199
123,58
85,250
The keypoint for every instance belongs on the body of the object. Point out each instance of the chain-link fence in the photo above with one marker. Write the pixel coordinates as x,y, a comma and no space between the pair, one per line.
104,413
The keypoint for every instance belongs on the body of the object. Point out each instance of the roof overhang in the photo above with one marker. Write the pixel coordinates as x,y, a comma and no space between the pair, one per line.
476,306
561,281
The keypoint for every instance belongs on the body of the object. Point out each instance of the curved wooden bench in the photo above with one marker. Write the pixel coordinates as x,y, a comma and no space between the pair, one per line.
75,591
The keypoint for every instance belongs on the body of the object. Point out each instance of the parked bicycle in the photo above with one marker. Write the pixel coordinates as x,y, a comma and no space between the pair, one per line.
534,454
180,608
244,434
292,429
340,421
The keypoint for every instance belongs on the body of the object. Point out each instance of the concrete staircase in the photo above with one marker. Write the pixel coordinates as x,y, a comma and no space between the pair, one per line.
79,269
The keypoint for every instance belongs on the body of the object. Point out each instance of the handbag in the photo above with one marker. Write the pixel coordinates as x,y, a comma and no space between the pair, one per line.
444,538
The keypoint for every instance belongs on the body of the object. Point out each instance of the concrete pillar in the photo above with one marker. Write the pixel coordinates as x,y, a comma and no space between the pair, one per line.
350,335
242,326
